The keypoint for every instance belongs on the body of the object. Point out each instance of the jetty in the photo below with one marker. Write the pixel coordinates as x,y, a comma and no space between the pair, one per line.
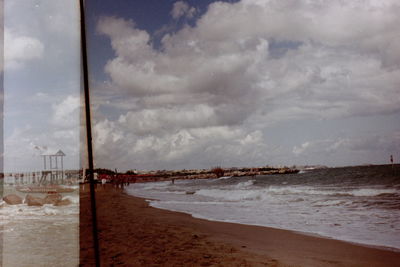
110,176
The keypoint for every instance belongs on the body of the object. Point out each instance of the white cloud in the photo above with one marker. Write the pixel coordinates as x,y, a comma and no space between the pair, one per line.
297,150
203,146
182,9
245,66
23,147
373,142
20,49
365,148
66,112
169,119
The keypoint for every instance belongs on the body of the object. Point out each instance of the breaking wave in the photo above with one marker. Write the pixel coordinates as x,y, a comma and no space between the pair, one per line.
241,193
232,195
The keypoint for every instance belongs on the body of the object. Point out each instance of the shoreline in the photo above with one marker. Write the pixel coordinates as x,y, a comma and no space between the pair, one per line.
153,202
380,247
133,233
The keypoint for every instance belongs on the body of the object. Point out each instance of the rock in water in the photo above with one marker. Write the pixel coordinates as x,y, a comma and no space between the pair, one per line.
12,199
34,201
63,202
52,198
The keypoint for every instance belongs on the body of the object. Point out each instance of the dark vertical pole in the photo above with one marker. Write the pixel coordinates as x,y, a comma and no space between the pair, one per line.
89,133
62,169
2,175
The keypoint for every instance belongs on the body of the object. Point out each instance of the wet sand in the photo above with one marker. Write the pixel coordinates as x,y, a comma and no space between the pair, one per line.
133,234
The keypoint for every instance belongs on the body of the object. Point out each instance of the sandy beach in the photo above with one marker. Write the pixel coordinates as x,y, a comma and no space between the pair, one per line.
133,234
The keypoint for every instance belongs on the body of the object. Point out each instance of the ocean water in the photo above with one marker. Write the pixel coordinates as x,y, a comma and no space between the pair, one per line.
356,204
39,236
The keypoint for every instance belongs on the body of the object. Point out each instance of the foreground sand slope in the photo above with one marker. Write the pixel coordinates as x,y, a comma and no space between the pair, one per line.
134,234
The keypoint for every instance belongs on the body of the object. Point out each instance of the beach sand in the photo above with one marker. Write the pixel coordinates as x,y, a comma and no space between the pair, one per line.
133,234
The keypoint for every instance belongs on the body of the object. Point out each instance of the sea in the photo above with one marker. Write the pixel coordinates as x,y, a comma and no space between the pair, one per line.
357,204
39,236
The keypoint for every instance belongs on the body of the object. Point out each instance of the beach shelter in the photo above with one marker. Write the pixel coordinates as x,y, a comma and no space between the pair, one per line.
53,166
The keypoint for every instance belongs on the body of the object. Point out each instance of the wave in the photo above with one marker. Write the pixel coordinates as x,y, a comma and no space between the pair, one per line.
330,203
369,192
232,195
73,198
244,185
172,202
154,185
224,177
242,192
363,192
23,211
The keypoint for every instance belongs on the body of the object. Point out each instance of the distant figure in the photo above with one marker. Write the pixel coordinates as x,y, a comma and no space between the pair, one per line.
173,180
121,182
391,161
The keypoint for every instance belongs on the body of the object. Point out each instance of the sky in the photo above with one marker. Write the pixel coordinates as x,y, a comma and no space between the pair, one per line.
41,83
193,84
197,84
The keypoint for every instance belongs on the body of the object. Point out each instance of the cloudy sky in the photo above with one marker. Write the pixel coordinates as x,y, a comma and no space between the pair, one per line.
195,84
41,82
184,84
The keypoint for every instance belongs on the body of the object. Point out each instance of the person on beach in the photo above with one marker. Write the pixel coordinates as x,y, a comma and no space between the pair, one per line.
392,162
116,179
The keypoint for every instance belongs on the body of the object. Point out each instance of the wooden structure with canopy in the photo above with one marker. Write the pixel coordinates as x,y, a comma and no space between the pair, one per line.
53,168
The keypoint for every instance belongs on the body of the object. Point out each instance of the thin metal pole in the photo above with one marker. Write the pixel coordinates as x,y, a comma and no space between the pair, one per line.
89,133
